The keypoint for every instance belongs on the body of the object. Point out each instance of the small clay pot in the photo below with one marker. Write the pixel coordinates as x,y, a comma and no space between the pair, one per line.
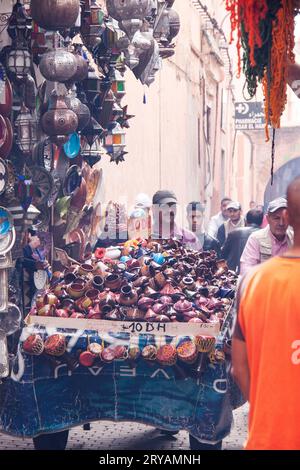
98,283
108,355
128,296
46,311
113,282
87,359
55,345
150,315
76,290
92,294
149,352
33,345
85,269
69,278
145,302
187,352
120,352
167,355
110,313
204,343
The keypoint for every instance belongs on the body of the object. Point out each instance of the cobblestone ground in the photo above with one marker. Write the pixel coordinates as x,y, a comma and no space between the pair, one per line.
129,436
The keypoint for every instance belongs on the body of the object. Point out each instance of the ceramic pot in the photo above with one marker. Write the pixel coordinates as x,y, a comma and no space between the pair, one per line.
110,313
87,358
150,315
204,343
162,319
61,313
98,283
128,296
69,278
145,302
149,352
33,345
159,308
46,311
85,269
55,345
92,294
67,303
160,279
76,290
167,355
107,298
113,282
182,305
120,352
95,348
168,289
108,355
133,314
187,352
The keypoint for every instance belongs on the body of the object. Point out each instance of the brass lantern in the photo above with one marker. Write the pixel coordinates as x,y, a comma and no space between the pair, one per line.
26,130
59,121
55,14
58,65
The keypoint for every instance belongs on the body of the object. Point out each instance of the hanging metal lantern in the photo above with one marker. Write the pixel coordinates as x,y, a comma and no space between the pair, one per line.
114,141
92,131
118,85
82,68
174,24
55,14
19,62
26,130
129,13
92,23
58,65
92,153
59,121
105,112
19,25
81,110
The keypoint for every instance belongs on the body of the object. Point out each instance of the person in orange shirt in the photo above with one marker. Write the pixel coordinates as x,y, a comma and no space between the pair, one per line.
266,343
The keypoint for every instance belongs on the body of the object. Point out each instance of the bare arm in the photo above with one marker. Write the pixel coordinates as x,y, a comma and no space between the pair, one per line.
240,369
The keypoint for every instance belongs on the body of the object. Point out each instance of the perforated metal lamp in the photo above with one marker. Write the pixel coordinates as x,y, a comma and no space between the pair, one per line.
26,127
19,62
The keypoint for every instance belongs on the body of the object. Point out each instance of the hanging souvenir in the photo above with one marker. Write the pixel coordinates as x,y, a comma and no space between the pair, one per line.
3,176
26,130
72,146
58,65
5,93
59,121
42,182
7,130
55,14
43,154
72,180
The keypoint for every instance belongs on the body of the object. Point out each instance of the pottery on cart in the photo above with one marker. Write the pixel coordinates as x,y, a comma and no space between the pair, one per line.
98,282
76,290
128,296
113,282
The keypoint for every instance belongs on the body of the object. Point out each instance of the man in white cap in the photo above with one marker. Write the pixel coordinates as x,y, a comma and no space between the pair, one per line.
236,220
144,202
273,240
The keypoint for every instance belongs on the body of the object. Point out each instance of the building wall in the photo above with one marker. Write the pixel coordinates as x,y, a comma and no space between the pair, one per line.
166,142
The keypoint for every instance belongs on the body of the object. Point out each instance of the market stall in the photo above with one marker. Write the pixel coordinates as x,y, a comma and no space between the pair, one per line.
141,337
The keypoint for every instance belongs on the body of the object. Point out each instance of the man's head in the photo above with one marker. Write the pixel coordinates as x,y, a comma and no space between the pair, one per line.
234,211
143,201
34,241
293,202
195,215
254,217
224,203
277,217
252,205
164,206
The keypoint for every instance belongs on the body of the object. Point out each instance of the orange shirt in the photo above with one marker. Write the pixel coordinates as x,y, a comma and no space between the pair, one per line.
269,319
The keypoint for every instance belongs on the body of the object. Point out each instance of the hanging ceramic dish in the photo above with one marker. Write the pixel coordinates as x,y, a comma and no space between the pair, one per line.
7,145
72,146
72,181
6,222
3,176
42,182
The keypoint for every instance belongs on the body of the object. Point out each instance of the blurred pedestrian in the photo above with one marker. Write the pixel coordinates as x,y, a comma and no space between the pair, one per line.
237,239
266,340
236,220
270,241
195,215
217,220
164,210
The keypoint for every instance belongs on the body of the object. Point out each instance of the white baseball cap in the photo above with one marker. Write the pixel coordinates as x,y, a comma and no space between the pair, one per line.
143,201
